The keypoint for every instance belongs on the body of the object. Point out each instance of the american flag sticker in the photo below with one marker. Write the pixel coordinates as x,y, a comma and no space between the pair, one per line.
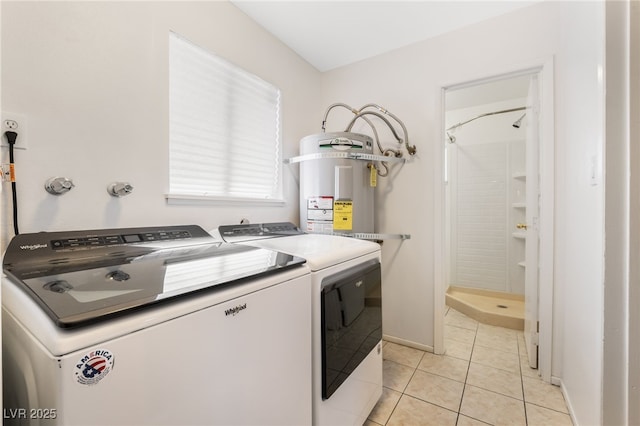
94,366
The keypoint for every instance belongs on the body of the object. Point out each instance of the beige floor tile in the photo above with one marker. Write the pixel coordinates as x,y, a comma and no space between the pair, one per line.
435,389
446,366
497,341
492,330
495,380
414,412
527,371
468,421
543,394
483,374
457,349
457,319
507,361
540,416
459,334
385,406
491,407
522,346
524,358
402,354
396,376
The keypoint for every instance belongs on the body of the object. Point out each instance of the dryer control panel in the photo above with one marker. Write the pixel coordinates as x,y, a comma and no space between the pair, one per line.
249,232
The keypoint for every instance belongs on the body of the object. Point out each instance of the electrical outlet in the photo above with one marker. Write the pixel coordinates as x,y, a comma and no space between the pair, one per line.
5,173
12,122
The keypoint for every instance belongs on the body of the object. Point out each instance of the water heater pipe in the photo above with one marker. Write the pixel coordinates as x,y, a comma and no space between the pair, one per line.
326,114
359,113
411,149
375,134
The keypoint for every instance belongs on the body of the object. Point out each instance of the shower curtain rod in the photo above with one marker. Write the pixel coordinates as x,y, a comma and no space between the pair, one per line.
455,126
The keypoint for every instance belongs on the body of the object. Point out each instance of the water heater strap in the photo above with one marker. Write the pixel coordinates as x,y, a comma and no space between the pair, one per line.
347,155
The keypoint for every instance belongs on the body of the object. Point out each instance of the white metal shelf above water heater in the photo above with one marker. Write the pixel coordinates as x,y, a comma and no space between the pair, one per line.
337,182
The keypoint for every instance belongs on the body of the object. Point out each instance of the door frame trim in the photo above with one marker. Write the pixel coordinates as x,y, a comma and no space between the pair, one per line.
545,68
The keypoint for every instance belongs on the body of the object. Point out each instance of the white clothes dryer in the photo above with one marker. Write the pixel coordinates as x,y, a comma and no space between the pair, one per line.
347,315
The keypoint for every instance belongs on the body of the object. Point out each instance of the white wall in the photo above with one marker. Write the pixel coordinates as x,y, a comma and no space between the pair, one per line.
478,182
408,82
486,155
633,302
632,15
617,222
92,80
622,316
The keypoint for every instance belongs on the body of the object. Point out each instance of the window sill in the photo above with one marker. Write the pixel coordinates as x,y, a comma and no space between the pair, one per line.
203,200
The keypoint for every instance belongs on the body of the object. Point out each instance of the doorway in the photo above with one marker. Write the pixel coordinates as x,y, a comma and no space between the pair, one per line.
497,192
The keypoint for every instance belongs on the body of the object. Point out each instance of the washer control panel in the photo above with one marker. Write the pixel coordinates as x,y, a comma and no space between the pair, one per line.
32,251
109,240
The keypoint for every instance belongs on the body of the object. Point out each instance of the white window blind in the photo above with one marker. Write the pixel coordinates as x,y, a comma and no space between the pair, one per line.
224,128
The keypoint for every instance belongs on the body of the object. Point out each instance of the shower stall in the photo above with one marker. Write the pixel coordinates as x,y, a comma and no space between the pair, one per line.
488,139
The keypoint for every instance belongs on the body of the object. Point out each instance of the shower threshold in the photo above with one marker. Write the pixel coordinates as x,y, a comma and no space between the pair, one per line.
488,307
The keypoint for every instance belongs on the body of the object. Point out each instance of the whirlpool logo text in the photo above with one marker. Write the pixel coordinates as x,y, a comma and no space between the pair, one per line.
33,246
235,310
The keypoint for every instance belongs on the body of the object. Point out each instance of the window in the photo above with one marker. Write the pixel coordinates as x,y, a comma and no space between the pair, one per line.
224,134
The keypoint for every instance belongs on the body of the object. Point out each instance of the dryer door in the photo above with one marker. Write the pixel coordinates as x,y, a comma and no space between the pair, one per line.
351,306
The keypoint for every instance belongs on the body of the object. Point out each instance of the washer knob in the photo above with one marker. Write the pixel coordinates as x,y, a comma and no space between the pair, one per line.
58,286
118,276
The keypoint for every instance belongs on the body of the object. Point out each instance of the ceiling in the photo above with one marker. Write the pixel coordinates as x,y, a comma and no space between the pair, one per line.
330,34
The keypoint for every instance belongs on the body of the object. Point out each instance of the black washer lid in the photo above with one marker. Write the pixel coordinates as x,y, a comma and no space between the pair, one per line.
82,277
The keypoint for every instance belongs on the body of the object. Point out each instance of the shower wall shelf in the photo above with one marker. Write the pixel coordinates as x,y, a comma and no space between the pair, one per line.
520,176
519,205
519,235
523,264
347,155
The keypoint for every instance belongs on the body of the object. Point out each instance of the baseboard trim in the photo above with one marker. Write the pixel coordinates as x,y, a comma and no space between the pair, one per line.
558,382
408,343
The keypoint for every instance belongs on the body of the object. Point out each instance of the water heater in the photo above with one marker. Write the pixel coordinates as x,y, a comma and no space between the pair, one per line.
336,190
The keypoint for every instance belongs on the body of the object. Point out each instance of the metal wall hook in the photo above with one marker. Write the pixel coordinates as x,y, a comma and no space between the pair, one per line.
119,189
58,185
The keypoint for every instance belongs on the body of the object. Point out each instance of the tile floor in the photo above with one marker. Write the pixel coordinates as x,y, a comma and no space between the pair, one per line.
483,378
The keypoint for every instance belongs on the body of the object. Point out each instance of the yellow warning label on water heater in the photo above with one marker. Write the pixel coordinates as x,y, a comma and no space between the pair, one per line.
343,215
373,176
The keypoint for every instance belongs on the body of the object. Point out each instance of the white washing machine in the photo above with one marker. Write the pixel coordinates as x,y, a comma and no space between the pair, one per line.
347,316
154,326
